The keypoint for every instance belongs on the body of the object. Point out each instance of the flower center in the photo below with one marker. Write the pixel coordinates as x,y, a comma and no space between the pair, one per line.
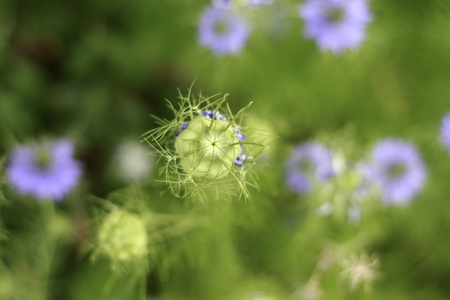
396,170
221,27
306,166
335,15
43,159
207,148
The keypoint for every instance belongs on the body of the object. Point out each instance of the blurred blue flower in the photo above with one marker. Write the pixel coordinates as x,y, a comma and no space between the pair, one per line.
398,170
222,31
354,213
366,183
251,3
310,162
221,3
336,25
445,131
45,171
259,3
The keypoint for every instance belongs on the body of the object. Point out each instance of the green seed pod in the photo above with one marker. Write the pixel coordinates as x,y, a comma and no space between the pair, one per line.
122,236
203,151
208,148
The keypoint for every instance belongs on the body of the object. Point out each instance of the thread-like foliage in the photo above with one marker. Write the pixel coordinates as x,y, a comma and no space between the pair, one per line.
201,151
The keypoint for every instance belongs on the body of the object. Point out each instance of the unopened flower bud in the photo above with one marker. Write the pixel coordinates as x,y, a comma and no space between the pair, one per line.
122,236
208,148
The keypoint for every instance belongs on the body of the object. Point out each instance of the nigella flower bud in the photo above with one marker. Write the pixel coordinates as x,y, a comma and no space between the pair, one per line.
207,147
122,236
203,150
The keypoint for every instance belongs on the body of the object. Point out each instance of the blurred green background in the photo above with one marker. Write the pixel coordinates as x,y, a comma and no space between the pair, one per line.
95,70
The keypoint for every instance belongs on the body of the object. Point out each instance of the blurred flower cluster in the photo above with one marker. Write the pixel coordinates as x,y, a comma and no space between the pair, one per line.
335,25
393,172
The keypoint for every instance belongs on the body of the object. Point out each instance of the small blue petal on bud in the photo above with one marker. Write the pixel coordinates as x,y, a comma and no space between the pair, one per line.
241,160
210,114
240,136
183,127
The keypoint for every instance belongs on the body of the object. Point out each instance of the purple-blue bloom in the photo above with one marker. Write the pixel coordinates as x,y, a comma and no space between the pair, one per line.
310,162
221,3
222,30
251,3
366,184
336,25
258,3
398,170
45,171
445,131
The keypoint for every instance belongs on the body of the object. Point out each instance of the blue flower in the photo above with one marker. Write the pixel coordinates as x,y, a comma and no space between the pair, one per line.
310,163
336,25
445,132
259,3
221,3
251,3
398,170
45,171
366,182
222,31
